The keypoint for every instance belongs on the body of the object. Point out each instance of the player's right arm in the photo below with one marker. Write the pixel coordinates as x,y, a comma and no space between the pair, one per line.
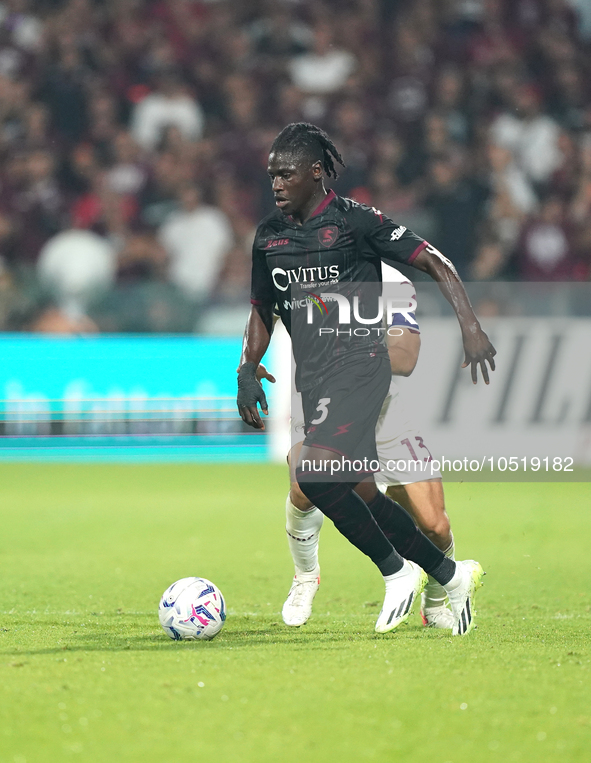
257,336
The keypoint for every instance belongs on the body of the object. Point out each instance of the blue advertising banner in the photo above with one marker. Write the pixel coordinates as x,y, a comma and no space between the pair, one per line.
160,398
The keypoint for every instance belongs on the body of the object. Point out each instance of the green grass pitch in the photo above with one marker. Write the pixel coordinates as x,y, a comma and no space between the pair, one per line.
86,674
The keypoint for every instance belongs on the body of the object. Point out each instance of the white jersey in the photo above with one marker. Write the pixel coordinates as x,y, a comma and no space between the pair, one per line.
398,419
404,290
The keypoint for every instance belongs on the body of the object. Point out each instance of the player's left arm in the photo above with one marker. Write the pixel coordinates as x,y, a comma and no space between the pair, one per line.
478,349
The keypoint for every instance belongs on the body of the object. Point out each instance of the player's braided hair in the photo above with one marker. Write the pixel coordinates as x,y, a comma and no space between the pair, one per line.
306,138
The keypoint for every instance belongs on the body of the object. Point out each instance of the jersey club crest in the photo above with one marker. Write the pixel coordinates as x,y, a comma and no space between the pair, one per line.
327,236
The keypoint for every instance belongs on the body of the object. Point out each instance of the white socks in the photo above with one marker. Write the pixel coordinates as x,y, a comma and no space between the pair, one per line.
434,594
303,530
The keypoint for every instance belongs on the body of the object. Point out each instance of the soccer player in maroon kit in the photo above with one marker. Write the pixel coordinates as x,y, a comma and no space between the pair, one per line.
316,238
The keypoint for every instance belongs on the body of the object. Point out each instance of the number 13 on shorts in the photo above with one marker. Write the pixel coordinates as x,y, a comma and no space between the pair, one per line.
421,443
322,409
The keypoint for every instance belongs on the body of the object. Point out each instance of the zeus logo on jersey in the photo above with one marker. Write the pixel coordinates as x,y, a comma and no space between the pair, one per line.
277,242
282,278
398,233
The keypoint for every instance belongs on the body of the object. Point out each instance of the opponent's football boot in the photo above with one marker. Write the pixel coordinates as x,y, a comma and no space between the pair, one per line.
437,617
298,605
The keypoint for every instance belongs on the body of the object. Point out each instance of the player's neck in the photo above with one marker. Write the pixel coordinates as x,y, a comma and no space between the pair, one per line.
310,207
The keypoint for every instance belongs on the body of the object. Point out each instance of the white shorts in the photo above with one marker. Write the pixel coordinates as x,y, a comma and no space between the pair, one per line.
404,456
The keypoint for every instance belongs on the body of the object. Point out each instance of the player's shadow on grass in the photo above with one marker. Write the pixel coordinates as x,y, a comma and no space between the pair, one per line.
307,637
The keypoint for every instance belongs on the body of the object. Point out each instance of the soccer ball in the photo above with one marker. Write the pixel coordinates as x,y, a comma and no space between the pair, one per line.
192,608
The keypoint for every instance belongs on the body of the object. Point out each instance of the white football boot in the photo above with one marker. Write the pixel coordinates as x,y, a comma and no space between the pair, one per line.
402,590
461,591
298,605
437,617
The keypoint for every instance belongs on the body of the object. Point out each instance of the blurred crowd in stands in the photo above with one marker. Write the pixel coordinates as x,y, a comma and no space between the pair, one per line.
134,136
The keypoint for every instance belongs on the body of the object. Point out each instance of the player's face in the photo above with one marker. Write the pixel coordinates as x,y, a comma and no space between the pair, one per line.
294,181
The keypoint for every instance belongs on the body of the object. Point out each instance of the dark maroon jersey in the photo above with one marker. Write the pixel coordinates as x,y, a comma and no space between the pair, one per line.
338,249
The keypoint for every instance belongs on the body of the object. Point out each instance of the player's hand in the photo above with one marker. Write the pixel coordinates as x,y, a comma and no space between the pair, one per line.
262,373
251,393
478,351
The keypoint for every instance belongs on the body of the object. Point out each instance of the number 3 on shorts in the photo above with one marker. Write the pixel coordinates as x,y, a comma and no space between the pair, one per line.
322,410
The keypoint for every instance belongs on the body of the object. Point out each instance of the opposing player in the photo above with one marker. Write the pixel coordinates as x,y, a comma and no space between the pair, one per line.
314,235
398,442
